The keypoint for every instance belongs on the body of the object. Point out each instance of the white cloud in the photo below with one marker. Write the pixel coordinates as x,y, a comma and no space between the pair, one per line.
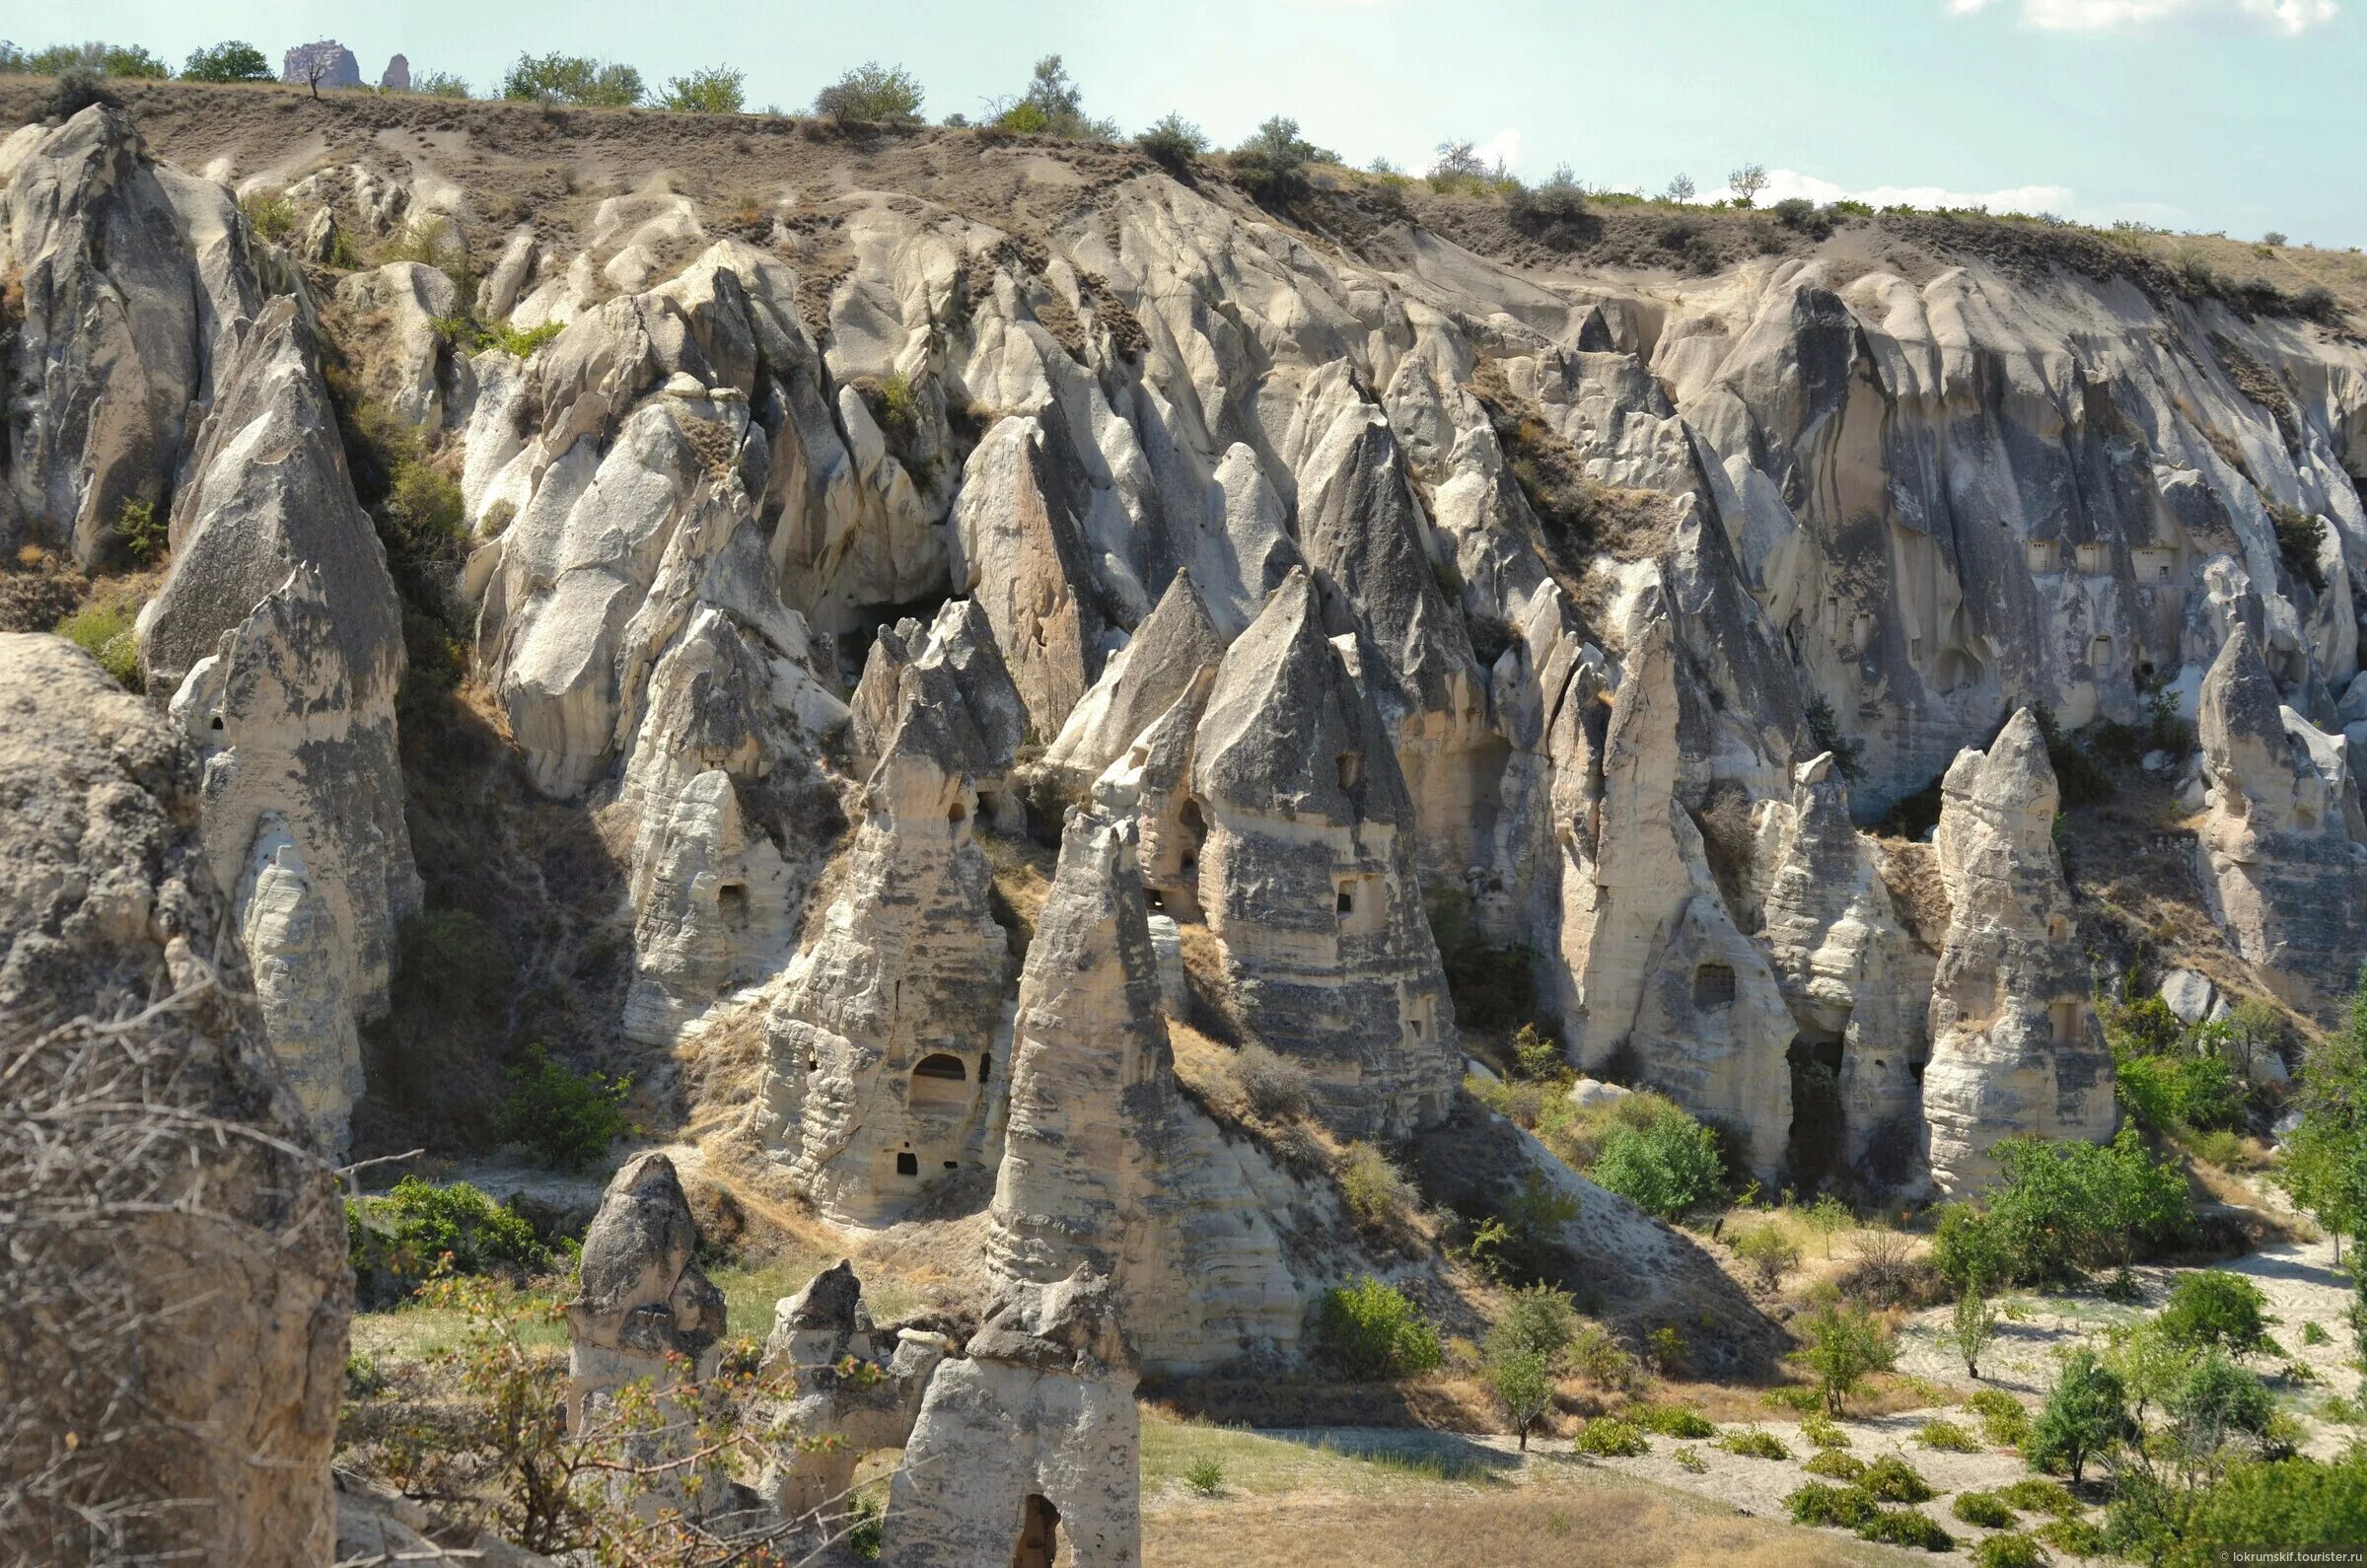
2288,17
1783,183
1503,147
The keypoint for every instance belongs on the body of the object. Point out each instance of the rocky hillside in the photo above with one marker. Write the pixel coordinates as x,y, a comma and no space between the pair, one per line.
910,641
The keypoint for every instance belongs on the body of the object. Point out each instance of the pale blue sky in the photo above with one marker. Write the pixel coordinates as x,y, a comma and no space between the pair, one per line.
2234,115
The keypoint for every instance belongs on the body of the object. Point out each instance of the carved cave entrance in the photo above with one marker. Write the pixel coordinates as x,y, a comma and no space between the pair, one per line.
1816,1062
1039,1534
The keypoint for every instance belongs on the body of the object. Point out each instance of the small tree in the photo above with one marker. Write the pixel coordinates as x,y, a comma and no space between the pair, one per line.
1828,1217
1523,1382
2215,1309
1053,105
1747,183
714,90
2086,1415
1845,1346
874,93
572,79
1273,165
1174,142
1679,188
1970,1329
233,60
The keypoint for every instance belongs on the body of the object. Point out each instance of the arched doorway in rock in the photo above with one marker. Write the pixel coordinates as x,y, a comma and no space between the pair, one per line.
1039,1534
1817,1121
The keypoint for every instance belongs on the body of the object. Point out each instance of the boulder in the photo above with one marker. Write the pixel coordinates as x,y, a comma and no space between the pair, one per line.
176,1253
2189,995
838,1413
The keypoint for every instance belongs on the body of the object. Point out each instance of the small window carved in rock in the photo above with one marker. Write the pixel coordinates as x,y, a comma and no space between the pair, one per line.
907,1164
1352,768
941,1064
1346,901
731,902
1714,985
956,811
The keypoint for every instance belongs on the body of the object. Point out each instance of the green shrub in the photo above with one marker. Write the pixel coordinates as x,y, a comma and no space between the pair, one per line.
1946,1437
566,1117
521,344
2281,1503
2072,1537
1984,1509
1689,1461
2004,1420
1174,142
1823,1430
1825,734
1894,1480
1834,1465
1609,1436
143,534
2166,1092
1595,1354
439,84
1053,105
1271,166
2215,1308
2298,539
1845,1507
397,1240
1768,1249
1905,1526
106,633
873,94
234,60
270,213
2313,1333
2060,1207
1374,1190
1275,1087
717,90
1673,1420
363,1378
1373,1332
2008,1551
1206,1476
1845,1344
1753,1444
2086,1415
1521,1240
571,79
1537,1057
1664,1168
2036,1495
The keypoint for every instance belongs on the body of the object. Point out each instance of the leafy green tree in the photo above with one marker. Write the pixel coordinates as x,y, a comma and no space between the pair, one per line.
1053,105
714,90
1828,1217
572,79
130,60
1666,1167
1846,1344
1539,1320
1373,1332
566,1117
1523,1382
1273,164
873,94
440,84
2150,1365
2217,1404
2216,1310
1970,1329
2086,1415
233,60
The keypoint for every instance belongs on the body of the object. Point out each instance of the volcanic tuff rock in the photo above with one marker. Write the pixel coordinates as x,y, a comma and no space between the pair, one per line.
131,274
155,1357
839,1414
2016,1051
1104,1164
1172,646
639,1297
886,1038
279,633
1039,1411
1307,874
2282,855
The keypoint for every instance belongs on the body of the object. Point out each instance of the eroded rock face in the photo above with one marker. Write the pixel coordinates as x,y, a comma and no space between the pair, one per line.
1104,1164
1033,1426
852,1412
639,1296
889,1044
279,633
2282,855
214,1293
1169,650
131,274
2016,1051
1307,874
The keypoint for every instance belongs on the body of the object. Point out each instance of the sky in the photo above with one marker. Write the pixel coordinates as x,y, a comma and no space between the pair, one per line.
2236,115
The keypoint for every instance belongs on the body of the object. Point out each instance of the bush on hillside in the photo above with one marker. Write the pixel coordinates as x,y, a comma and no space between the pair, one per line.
557,78
399,1239
1271,165
717,90
232,61
565,1117
1371,1331
1663,1166
1275,1087
2062,1207
874,93
2215,1309
1173,142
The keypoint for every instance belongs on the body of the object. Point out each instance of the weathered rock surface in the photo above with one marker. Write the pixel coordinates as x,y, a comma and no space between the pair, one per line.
2016,1049
176,1256
1307,874
279,634
1172,645
1033,1426
639,1297
889,1044
1104,1164
841,1413
130,274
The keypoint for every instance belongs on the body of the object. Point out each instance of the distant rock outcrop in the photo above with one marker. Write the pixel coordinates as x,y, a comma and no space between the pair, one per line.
176,1256
326,63
1307,875
279,633
397,78
2016,1049
2282,855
